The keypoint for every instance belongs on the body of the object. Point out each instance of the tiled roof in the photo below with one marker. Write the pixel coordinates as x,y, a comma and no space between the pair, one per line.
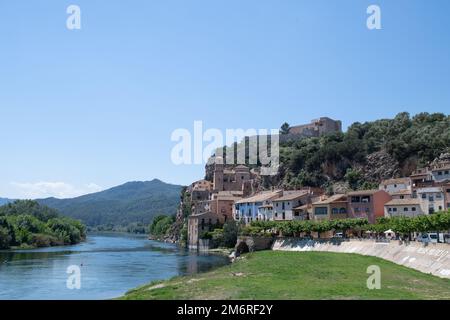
430,189
402,202
334,198
363,192
402,192
260,197
404,180
292,195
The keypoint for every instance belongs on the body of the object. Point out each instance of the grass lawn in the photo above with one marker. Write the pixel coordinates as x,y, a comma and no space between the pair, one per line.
298,275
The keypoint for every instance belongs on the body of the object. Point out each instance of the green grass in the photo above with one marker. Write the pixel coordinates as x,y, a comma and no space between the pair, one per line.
299,275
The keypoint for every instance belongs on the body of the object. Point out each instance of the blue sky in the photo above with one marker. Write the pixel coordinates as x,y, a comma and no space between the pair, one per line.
84,110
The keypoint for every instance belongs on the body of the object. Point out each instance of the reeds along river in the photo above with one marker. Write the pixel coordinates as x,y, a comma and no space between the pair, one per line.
109,265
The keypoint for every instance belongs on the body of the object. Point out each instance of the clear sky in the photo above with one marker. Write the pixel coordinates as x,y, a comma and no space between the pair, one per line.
84,110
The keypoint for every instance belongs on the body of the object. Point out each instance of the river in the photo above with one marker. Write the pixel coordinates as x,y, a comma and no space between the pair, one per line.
109,265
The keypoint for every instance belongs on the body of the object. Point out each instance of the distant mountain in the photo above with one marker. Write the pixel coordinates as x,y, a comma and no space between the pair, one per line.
132,202
4,201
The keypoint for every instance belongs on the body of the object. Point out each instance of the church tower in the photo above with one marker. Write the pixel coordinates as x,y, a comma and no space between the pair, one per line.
218,174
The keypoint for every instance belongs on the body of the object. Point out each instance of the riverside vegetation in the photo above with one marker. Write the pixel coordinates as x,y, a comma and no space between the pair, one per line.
27,224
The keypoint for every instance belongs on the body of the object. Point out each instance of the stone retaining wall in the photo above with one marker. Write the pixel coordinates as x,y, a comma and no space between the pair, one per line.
431,258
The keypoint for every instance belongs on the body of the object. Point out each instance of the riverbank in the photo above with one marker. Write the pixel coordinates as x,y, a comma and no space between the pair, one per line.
298,275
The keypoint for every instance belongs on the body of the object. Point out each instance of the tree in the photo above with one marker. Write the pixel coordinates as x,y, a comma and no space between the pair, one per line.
284,128
230,234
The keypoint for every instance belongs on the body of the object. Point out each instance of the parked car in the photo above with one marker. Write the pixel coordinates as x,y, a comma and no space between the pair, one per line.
428,237
338,235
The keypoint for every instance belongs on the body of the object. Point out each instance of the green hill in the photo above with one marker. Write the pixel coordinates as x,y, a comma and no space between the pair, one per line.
131,203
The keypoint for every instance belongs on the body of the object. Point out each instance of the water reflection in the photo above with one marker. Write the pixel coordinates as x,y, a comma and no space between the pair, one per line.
110,265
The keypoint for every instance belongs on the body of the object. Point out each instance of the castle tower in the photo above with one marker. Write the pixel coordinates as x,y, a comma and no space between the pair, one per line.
218,174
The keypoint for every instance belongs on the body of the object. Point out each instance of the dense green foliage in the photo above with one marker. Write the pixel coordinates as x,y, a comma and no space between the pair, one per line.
160,225
223,237
119,207
400,225
408,141
298,275
26,223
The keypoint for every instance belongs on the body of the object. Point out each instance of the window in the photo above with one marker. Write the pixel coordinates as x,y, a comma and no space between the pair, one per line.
431,198
413,209
342,210
365,199
438,196
390,209
448,190
440,208
405,209
335,211
395,186
357,210
446,172
355,199
402,197
394,209
424,195
439,173
321,210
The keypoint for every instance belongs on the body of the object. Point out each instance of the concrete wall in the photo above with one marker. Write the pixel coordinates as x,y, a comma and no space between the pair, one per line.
431,258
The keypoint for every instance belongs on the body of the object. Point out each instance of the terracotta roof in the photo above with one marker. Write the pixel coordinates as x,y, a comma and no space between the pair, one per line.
260,197
402,202
402,192
334,198
292,195
404,180
303,207
363,192
430,189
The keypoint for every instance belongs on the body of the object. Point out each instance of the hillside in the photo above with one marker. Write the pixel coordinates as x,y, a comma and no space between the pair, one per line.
5,201
132,202
363,155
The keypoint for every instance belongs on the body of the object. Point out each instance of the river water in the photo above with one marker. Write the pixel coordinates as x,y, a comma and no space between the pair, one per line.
109,265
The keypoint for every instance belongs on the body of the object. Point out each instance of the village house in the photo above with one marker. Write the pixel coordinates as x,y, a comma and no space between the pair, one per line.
199,224
446,188
304,212
420,178
441,171
330,208
367,204
283,206
222,204
247,209
402,194
431,199
396,185
403,207
236,179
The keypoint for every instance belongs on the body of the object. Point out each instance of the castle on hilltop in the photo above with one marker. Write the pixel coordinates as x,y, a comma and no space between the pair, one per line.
316,128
